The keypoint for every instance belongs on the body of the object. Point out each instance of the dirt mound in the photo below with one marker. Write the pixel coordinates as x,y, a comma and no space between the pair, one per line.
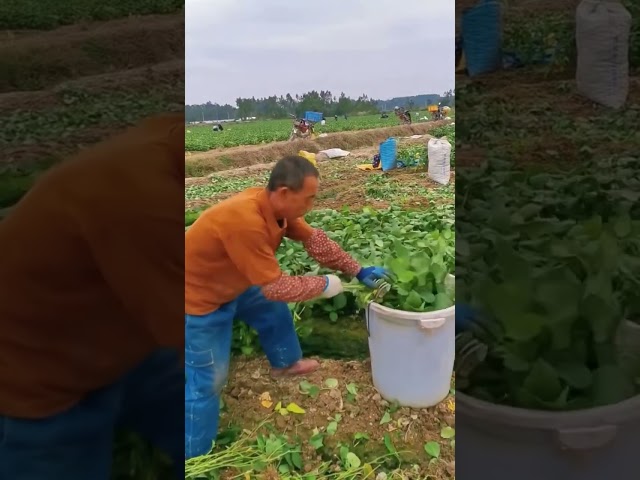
362,155
39,61
528,7
199,164
560,94
99,93
546,114
363,413
342,184
25,157
167,74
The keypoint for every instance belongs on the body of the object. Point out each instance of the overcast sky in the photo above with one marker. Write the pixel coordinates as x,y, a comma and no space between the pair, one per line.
383,48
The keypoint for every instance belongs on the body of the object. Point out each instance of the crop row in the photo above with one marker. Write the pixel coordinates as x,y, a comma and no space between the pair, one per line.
201,138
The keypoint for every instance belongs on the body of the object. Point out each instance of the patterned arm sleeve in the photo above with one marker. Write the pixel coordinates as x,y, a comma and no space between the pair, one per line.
294,289
329,254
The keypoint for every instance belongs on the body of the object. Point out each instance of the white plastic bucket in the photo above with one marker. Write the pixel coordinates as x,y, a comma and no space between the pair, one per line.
505,443
412,354
603,30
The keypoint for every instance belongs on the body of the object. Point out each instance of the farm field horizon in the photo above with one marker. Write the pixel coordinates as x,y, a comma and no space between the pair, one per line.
201,138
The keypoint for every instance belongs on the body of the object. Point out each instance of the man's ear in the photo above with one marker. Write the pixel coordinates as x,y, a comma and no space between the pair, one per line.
282,191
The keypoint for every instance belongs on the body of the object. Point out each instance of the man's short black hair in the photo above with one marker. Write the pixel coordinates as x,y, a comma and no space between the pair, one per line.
290,172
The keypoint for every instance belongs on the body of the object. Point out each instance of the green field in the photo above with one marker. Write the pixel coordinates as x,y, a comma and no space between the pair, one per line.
333,445
201,138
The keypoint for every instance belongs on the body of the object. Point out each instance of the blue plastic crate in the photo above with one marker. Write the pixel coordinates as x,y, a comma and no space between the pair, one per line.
388,154
482,38
313,116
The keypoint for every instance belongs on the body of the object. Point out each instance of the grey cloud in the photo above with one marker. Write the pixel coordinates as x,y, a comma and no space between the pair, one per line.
383,48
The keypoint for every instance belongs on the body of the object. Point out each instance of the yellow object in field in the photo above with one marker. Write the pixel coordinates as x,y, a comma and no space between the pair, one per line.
309,156
432,108
367,166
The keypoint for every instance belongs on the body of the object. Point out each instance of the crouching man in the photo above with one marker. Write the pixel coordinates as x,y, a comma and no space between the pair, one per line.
231,272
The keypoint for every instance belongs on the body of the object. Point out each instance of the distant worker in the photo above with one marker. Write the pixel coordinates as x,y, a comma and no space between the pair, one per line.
403,115
336,117
218,127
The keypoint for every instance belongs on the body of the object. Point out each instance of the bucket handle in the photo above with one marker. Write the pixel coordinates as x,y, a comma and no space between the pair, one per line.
431,324
580,439
367,314
424,325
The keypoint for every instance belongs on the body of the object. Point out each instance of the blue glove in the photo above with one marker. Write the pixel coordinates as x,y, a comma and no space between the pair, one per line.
472,320
369,276
473,335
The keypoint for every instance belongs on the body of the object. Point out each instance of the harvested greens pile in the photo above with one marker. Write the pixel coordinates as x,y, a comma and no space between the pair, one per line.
417,247
420,282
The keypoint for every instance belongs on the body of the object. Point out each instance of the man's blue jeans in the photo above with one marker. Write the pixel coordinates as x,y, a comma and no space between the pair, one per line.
465,316
78,443
207,355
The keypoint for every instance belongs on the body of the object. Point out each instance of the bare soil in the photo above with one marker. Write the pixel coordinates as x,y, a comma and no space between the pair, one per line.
362,154
37,61
342,183
536,96
559,94
164,77
26,156
95,59
409,428
201,163
161,75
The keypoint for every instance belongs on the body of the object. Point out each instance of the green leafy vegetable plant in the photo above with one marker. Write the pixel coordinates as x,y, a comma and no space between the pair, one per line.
552,260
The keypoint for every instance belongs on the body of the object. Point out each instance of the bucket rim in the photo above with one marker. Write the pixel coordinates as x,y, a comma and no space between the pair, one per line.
631,324
412,317
618,413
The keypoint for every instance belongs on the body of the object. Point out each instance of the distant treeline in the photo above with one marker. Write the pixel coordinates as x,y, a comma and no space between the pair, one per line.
323,101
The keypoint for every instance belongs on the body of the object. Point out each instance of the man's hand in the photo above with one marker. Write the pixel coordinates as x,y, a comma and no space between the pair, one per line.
369,276
333,287
481,326
474,334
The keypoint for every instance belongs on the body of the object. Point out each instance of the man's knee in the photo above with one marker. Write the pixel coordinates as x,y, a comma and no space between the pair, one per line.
220,377
206,376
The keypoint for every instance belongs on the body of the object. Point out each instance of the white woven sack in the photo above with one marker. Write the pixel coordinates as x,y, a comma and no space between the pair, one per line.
439,154
602,39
